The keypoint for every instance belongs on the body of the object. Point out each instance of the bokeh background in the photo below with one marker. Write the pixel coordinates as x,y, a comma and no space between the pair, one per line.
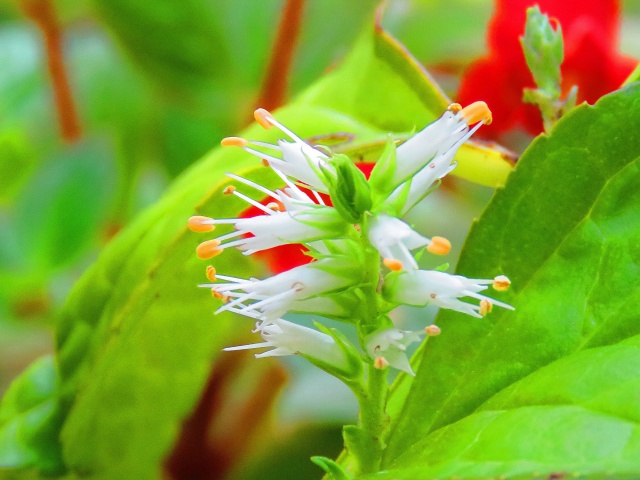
104,102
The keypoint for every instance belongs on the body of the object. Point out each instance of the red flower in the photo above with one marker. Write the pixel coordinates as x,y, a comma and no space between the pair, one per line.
286,257
591,60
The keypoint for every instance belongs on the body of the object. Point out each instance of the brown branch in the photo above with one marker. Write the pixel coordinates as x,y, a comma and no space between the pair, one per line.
42,13
216,435
273,91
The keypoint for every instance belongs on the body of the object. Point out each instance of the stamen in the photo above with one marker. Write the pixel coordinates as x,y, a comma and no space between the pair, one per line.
251,201
476,112
200,224
454,107
380,363
248,347
211,273
234,142
255,185
393,264
219,296
274,206
501,283
228,190
265,162
208,249
318,197
485,307
432,330
263,116
439,246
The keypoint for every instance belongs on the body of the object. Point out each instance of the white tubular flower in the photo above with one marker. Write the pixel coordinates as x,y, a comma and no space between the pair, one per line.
444,290
302,221
394,239
286,338
271,298
390,345
434,147
298,160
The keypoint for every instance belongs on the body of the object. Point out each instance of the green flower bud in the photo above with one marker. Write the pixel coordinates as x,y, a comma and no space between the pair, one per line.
348,188
543,50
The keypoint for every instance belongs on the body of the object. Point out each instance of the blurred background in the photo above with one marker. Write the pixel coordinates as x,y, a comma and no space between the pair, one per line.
104,102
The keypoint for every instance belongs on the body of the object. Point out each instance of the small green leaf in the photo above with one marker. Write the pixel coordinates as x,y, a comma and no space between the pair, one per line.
333,470
383,171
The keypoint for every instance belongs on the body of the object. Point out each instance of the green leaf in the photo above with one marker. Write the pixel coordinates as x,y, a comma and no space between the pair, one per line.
528,392
176,43
29,422
58,213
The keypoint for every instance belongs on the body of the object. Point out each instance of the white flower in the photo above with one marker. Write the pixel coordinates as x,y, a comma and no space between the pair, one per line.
391,345
434,147
286,338
444,290
293,217
394,239
301,222
271,298
298,160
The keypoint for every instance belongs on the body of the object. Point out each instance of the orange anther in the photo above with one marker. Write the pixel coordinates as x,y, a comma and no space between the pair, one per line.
485,307
262,116
208,249
200,224
234,142
219,296
454,107
265,162
229,189
274,206
211,273
477,112
439,246
432,330
393,264
501,283
380,363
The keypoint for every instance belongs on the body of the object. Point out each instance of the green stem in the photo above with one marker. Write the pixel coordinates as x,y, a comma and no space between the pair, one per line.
374,420
369,438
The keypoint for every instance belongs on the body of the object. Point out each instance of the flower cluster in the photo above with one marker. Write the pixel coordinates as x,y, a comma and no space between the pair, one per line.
363,266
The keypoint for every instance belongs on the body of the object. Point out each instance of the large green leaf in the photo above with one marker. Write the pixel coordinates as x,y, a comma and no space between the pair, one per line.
552,387
136,338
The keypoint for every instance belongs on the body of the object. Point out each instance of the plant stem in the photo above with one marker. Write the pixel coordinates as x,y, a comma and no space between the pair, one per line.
374,420
43,14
